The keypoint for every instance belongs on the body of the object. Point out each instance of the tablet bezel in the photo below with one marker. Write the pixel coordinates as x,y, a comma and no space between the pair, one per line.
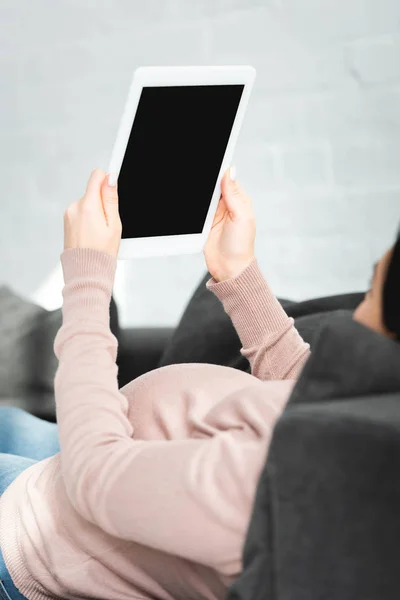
174,76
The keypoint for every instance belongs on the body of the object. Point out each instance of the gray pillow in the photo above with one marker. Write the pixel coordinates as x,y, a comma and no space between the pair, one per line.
27,333
19,352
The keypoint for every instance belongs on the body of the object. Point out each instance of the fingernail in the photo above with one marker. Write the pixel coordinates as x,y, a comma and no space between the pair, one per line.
232,172
112,179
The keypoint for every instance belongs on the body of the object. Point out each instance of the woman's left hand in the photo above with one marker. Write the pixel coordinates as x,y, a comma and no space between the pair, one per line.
94,221
230,245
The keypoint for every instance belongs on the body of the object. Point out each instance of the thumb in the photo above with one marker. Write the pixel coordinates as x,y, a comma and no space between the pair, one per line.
109,197
231,192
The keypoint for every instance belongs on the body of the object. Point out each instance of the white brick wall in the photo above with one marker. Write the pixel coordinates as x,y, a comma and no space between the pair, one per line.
376,60
319,151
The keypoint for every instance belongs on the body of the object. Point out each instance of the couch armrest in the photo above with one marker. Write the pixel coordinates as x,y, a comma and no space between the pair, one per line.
333,475
140,350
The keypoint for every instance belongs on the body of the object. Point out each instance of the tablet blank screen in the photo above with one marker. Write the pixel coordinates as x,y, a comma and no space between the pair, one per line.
173,158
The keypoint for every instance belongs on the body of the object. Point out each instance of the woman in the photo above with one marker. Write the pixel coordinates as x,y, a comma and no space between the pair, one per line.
151,493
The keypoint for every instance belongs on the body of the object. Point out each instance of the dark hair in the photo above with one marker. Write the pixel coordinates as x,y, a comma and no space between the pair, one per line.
391,292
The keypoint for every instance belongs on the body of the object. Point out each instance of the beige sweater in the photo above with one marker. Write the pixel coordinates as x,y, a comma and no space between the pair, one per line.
152,492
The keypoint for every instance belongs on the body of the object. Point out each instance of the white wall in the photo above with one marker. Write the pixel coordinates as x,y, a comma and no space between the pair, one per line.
319,151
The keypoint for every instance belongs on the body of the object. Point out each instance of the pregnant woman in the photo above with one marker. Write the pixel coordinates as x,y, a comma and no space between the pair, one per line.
146,492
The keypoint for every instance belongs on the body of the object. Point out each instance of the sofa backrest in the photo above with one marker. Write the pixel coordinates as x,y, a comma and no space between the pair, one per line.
326,518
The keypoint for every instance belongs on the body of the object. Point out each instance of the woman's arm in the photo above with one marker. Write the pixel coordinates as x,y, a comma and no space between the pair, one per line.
190,497
270,341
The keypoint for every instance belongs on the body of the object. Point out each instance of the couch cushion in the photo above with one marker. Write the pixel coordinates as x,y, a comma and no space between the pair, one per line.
18,350
27,360
205,333
325,522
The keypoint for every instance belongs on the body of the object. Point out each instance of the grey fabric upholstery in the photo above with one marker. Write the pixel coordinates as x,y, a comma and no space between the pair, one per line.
205,333
326,519
140,350
27,360
17,346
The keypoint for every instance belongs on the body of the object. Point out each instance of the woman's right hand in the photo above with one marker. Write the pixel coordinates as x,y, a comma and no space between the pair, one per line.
230,245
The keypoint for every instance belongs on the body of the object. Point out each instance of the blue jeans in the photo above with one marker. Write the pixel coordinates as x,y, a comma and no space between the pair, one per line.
24,440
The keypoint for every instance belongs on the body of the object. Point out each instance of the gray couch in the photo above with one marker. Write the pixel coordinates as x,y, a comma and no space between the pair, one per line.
326,520
204,334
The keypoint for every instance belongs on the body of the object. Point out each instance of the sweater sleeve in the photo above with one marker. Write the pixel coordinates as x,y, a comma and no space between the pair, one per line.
269,339
188,497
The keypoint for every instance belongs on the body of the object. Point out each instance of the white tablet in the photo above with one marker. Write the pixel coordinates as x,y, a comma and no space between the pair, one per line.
175,141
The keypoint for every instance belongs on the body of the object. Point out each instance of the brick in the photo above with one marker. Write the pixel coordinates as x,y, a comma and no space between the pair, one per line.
300,267
64,22
312,212
315,244
180,44
87,79
382,17
340,19
55,106
183,10
360,115
378,218
376,62
330,19
284,59
273,119
256,166
306,167
293,66
100,61
367,166
36,241
248,5
240,36
331,69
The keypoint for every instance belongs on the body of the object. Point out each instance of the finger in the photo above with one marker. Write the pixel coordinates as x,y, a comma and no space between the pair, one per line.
232,193
92,192
109,196
71,210
69,216
219,213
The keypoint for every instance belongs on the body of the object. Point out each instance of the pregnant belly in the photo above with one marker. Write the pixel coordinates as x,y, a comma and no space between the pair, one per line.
169,402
